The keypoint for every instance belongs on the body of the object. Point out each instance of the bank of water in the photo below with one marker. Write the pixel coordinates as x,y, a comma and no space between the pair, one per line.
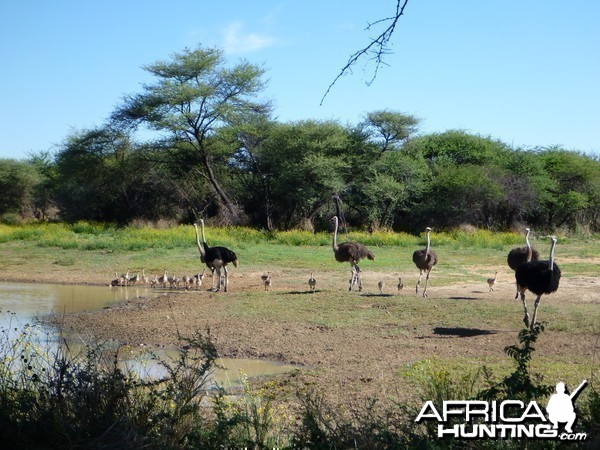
22,303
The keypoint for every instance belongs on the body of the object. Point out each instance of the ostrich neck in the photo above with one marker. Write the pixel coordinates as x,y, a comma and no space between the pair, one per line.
334,244
200,248
551,262
529,249
428,244
203,237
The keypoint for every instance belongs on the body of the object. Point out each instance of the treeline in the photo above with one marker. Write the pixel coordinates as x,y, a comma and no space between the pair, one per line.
216,151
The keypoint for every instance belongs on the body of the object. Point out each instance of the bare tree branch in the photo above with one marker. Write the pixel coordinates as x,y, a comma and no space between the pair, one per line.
377,49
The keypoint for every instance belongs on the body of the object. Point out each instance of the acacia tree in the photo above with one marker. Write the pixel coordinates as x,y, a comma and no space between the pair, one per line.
291,171
195,95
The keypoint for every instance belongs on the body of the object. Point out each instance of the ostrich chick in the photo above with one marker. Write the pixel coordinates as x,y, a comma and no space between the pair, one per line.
266,279
400,284
312,282
492,282
381,285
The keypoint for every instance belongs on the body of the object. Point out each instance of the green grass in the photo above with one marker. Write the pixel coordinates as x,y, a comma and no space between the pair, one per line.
92,236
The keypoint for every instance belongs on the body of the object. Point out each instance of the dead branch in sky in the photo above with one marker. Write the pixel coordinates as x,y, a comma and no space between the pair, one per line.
377,48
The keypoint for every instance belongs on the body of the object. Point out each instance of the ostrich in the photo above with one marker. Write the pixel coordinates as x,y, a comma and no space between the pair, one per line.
197,279
351,252
400,285
187,281
174,282
521,255
424,259
134,279
215,258
381,285
163,280
312,282
492,282
117,281
126,278
266,279
540,277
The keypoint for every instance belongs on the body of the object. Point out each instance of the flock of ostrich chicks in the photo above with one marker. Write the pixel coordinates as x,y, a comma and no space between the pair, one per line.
538,276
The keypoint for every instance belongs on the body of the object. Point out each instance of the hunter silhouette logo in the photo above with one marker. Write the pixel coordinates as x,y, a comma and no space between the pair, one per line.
560,406
506,419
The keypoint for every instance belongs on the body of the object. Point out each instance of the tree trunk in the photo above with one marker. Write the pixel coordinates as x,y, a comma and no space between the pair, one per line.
229,211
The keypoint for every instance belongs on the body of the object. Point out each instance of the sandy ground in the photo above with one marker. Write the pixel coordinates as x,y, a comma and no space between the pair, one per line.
349,362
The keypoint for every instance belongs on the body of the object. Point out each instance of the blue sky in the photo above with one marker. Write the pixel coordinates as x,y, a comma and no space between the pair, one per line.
525,72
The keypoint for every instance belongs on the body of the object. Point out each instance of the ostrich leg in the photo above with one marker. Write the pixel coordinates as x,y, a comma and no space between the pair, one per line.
212,284
426,283
218,270
419,282
526,317
535,307
358,279
353,278
226,277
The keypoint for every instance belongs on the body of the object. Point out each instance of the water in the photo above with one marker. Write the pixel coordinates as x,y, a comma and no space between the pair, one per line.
22,303
29,300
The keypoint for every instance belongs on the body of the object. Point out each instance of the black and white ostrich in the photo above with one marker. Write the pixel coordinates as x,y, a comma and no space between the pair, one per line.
424,259
540,277
351,252
215,258
521,255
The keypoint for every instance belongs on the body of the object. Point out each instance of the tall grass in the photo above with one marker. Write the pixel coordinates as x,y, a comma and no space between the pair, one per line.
96,236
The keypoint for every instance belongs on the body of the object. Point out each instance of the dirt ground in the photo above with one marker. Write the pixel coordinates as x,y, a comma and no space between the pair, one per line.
348,362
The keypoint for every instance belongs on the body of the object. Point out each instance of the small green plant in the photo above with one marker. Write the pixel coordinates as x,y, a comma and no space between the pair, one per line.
521,384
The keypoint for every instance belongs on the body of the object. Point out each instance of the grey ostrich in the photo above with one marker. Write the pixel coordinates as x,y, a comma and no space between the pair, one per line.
312,282
266,279
400,285
540,277
521,255
351,252
424,259
492,281
215,258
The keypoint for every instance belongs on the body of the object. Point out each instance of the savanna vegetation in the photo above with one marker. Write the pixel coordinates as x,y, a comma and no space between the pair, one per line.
200,141
58,399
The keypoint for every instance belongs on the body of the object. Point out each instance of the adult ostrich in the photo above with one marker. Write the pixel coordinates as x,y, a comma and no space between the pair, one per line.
215,258
424,259
540,277
351,252
521,255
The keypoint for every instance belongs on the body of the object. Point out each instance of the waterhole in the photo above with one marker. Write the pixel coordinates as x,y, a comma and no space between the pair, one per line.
22,303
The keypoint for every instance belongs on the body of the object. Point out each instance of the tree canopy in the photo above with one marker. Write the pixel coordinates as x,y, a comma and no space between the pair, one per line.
217,152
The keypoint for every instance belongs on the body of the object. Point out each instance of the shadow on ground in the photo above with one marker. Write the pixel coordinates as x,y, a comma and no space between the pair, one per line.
461,332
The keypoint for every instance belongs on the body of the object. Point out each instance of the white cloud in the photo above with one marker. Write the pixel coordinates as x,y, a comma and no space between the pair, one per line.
236,41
